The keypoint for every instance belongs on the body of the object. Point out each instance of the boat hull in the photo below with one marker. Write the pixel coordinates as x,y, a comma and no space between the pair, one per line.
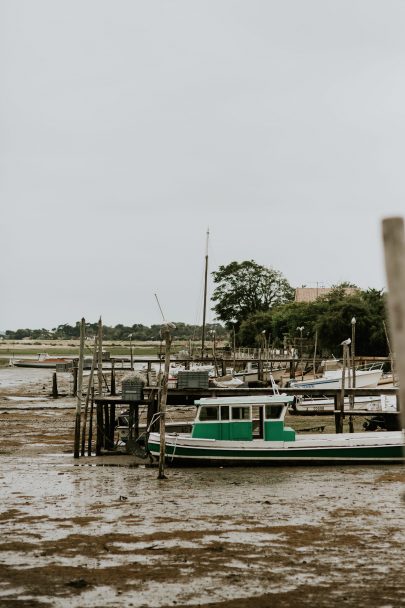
353,448
368,379
47,364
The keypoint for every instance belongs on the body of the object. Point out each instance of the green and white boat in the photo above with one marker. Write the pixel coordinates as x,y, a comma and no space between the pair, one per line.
251,431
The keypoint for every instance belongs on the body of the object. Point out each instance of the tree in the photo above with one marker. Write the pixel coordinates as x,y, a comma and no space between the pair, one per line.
244,288
330,316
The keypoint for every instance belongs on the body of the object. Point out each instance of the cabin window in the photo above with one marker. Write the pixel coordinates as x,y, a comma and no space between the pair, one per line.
209,413
241,413
224,412
273,412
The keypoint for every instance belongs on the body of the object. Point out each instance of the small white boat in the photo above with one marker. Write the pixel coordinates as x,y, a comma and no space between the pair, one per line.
325,405
333,379
43,360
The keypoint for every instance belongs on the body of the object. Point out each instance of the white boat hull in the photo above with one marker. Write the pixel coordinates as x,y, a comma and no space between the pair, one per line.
364,379
308,449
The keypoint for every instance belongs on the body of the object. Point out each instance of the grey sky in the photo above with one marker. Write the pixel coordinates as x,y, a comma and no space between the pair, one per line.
128,127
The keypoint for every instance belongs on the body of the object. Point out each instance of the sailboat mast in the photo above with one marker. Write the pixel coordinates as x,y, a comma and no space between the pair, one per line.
205,294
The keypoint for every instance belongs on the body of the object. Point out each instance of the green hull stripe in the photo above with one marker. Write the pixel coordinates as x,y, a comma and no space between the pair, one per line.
393,451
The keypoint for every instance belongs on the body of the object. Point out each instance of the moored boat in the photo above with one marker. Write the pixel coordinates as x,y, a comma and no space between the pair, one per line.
43,360
252,431
326,405
333,379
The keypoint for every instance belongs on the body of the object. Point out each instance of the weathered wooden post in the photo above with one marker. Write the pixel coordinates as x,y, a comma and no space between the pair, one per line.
55,393
336,401
113,391
152,411
112,426
91,423
100,358
100,429
394,246
89,389
352,397
106,426
315,347
79,388
163,398
131,423
74,371
391,355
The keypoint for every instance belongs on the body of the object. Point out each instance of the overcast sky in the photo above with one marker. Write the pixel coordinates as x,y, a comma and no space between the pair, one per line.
128,127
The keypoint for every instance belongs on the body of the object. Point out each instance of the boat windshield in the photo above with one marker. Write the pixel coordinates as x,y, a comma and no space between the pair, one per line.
209,413
273,412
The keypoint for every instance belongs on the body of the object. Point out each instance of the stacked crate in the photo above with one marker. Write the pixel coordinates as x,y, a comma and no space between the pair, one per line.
132,387
192,379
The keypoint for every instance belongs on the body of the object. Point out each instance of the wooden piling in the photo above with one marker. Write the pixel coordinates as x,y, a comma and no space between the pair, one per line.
55,393
89,389
79,389
292,370
337,413
394,246
100,429
74,392
163,400
113,390
90,438
131,423
111,429
100,358
106,427
152,411
136,416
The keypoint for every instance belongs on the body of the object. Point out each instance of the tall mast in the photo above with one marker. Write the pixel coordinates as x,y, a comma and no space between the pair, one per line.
205,293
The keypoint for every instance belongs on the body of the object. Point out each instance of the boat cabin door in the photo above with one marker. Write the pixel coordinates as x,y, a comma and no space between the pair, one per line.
258,421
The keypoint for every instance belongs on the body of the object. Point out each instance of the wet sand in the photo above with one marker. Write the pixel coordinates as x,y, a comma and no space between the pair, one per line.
100,532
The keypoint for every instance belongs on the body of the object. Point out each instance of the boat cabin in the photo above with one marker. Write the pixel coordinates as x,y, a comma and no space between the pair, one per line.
243,419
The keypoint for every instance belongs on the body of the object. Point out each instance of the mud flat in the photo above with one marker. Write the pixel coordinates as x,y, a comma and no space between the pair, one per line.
100,532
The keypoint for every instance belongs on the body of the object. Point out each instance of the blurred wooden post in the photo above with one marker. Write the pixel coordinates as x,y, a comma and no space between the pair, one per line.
131,422
292,370
100,358
315,347
394,247
106,426
55,394
163,400
336,401
75,378
112,426
89,389
90,439
113,391
79,389
100,428
342,390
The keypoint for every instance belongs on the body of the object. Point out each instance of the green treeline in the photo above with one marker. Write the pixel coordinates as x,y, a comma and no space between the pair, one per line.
329,316
120,332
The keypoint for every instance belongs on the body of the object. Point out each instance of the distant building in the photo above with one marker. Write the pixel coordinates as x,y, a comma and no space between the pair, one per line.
310,294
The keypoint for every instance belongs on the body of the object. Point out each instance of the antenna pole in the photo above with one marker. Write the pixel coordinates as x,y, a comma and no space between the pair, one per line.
205,294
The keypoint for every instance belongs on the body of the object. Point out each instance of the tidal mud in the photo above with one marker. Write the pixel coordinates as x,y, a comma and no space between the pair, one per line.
98,532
